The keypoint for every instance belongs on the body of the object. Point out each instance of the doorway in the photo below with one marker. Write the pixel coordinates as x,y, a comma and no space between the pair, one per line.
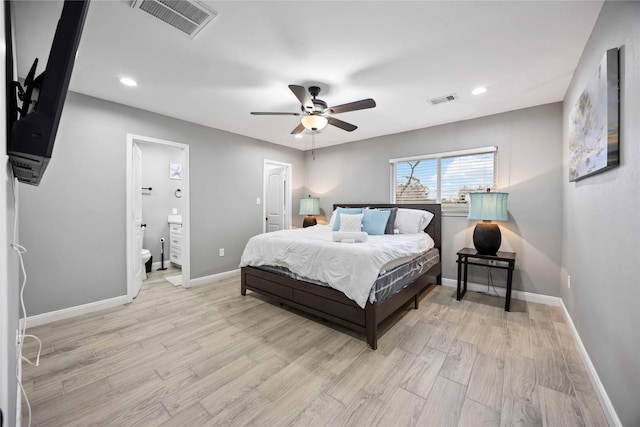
276,196
175,173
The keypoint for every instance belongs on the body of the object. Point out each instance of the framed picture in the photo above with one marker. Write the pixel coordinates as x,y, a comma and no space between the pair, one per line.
175,171
595,122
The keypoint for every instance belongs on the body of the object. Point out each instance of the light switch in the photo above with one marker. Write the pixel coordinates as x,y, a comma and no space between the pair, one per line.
174,211
257,200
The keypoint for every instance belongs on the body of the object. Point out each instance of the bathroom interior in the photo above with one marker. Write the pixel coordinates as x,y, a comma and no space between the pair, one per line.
162,208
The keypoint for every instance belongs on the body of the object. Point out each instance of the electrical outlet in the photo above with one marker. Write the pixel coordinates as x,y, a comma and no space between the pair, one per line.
569,282
221,251
17,337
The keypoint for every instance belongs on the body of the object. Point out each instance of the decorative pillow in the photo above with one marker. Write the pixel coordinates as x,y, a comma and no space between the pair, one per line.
391,222
374,221
412,221
351,222
336,223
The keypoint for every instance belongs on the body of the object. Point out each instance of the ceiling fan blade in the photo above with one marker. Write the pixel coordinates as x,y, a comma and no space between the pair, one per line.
298,129
342,125
262,113
353,106
303,96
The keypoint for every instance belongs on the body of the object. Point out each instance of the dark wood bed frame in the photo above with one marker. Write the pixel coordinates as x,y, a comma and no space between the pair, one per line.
333,305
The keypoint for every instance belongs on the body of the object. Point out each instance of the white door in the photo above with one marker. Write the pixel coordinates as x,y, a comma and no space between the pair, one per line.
137,219
275,179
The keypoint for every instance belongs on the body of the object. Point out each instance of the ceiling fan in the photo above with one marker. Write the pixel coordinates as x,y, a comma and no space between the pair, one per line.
315,113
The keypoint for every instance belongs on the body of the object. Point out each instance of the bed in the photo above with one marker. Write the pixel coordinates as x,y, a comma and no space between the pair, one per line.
330,304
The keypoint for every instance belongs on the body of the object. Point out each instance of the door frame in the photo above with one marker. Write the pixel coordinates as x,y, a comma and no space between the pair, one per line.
186,217
288,169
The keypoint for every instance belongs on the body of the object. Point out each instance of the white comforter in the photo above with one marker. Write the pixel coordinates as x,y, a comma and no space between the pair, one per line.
351,268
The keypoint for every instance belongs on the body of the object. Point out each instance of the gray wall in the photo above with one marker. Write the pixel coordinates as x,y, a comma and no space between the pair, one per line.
74,222
9,318
9,267
529,168
601,224
159,202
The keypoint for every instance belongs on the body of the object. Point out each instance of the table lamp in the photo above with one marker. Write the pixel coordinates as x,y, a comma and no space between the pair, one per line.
488,207
309,206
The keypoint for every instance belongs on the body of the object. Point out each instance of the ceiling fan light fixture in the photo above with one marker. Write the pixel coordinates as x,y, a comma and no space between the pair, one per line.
316,115
314,122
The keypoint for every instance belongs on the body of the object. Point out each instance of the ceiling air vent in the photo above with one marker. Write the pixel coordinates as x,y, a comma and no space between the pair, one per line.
188,16
442,99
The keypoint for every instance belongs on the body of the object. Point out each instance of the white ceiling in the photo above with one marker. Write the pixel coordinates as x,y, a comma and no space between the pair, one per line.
399,53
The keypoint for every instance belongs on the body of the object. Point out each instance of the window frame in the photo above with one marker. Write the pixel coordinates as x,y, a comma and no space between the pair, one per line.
448,208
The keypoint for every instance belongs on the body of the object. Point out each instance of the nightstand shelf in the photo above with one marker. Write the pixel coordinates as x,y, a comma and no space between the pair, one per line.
501,260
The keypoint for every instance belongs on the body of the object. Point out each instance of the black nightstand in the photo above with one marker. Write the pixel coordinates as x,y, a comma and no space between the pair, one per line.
502,260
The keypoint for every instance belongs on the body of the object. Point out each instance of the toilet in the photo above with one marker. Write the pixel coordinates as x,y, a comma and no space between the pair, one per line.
146,256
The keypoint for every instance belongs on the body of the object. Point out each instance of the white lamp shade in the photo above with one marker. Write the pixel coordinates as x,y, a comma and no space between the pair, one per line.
314,122
310,206
488,206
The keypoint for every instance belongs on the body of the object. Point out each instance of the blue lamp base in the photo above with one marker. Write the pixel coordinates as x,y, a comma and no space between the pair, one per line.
487,238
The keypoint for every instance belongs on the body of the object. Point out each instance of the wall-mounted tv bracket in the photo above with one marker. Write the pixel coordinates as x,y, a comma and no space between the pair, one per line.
25,93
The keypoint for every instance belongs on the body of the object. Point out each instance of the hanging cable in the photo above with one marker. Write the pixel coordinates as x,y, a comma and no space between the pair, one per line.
490,283
20,250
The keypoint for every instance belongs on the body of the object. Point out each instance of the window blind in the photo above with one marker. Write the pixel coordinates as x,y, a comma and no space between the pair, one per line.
445,178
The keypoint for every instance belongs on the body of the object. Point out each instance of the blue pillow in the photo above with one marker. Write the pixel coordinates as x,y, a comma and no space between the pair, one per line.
350,211
374,222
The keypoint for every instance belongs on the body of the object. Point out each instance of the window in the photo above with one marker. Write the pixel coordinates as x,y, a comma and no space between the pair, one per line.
445,178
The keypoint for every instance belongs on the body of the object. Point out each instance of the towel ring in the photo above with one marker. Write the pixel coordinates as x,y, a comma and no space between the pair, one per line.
178,193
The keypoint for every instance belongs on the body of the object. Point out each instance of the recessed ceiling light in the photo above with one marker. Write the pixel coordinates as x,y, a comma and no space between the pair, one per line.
479,90
128,81
298,136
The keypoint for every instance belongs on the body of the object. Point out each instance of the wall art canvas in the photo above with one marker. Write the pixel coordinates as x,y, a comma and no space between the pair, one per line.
594,127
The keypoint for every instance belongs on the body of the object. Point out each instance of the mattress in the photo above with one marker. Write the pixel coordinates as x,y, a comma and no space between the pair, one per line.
351,268
388,283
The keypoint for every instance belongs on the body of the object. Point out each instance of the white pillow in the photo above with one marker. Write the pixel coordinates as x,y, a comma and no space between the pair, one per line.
333,218
412,221
426,219
351,222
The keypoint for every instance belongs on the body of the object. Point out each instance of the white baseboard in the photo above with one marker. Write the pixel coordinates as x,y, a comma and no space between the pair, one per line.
66,313
521,295
213,278
603,397
607,406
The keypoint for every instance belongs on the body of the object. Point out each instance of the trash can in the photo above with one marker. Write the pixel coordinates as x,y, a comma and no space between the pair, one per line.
147,265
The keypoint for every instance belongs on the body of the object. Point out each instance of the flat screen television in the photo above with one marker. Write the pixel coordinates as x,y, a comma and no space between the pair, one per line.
33,125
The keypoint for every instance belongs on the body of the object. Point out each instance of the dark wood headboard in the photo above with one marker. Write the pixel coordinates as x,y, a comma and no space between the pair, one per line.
434,229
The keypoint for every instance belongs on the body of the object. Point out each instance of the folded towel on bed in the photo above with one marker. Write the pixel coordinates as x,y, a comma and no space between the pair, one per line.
349,236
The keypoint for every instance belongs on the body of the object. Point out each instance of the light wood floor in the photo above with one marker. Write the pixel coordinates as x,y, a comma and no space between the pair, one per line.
208,356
